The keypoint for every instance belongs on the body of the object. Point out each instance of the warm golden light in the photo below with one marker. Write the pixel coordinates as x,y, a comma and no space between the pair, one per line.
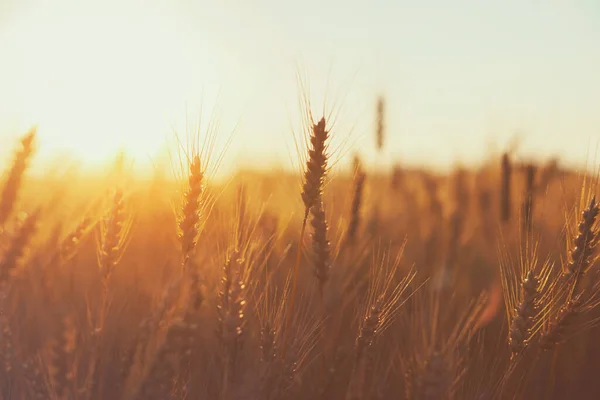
97,79
274,199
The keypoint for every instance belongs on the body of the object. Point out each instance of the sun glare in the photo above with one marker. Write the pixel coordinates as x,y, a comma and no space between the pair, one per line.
96,79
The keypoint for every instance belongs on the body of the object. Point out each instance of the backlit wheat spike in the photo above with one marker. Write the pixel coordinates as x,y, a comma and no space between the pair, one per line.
312,188
529,289
189,223
230,310
585,241
18,244
10,191
189,226
114,231
367,333
113,236
316,165
520,327
368,330
69,245
385,297
577,314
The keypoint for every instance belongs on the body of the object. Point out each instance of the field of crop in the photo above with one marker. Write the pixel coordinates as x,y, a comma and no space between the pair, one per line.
475,284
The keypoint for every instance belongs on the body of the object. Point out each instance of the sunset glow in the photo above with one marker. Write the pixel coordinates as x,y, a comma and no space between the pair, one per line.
97,77
94,82
299,199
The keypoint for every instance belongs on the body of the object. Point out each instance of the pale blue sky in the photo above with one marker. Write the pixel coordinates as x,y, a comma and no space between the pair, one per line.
456,74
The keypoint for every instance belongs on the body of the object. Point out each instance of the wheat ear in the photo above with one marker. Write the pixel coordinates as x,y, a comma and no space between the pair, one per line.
314,176
12,185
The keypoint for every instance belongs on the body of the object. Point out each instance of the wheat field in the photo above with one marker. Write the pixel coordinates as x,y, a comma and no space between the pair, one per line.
329,284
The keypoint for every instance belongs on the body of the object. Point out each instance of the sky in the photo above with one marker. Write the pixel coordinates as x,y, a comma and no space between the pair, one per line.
458,77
